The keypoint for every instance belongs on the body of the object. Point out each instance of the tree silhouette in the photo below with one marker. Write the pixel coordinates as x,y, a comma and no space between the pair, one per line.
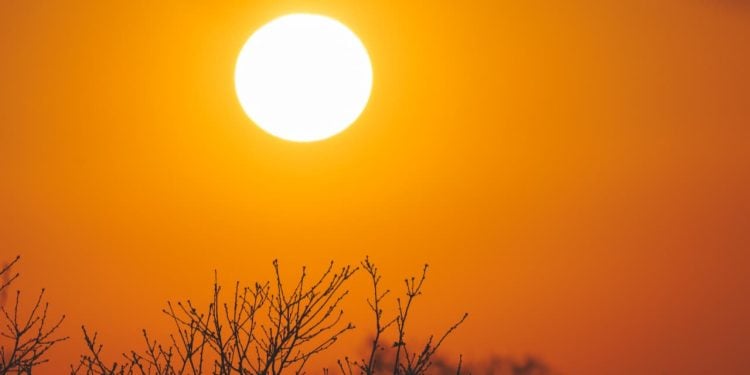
262,329
269,329
24,338
404,361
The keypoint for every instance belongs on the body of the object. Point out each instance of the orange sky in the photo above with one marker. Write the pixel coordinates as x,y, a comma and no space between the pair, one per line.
576,172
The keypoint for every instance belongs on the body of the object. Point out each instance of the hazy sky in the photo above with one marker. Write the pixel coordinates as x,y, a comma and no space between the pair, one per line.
576,172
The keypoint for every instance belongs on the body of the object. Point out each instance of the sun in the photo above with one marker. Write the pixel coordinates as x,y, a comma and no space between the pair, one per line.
303,77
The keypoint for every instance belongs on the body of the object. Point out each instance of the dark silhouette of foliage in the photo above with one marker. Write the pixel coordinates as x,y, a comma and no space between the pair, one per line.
25,339
508,366
495,365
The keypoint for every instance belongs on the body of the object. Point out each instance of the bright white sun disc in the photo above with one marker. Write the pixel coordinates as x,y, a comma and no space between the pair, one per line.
303,77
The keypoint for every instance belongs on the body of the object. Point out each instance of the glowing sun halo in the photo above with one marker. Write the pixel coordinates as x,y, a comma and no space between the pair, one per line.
303,77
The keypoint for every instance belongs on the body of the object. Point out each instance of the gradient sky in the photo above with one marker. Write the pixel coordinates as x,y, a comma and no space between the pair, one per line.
576,172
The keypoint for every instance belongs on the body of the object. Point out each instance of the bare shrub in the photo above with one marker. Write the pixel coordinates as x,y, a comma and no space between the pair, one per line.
24,338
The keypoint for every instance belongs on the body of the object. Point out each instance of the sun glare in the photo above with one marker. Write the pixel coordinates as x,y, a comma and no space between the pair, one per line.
303,77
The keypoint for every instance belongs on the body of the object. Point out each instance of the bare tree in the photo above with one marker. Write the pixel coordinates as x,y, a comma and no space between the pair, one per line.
25,339
368,367
268,329
265,329
404,361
